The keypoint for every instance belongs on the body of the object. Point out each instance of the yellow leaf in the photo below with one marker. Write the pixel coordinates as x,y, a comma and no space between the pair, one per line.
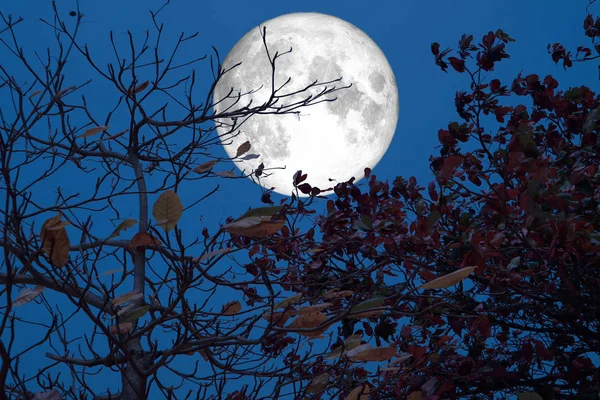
306,321
359,393
124,225
129,296
277,318
243,148
231,308
136,314
168,207
376,354
448,280
94,131
318,384
205,167
27,295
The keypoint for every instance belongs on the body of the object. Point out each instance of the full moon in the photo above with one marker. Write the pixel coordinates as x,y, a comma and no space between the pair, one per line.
336,139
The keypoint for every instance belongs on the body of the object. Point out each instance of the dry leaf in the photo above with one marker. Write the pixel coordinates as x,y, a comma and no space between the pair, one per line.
352,342
205,167
376,354
144,239
289,301
124,327
305,321
141,87
129,296
243,148
55,241
32,95
448,280
168,207
111,271
226,174
231,308
214,253
359,393
318,384
277,318
402,357
94,131
361,347
61,93
58,226
309,309
27,295
124,225
254,227
363,310
136,314
418,395
338,295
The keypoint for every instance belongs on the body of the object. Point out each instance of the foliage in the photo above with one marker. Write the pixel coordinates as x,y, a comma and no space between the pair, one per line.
483,282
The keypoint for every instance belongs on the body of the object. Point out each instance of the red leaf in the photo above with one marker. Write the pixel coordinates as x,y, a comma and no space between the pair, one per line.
432,192
457,64
450,165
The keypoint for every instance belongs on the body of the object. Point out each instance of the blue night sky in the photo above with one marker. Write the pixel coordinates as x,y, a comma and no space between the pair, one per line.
403,29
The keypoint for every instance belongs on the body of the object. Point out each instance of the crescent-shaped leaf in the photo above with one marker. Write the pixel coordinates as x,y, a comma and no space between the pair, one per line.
167,209
141,87
94,131
124,225
448,280
129,296
205,167
27,295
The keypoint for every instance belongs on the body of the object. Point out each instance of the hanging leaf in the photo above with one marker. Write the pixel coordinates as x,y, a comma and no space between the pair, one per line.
94,131
318,384
231,308
448,280
205,167
243,148
32,95
124,327
362,310
136,314
254,227
312,320
168,207
55,241
377,354
27,295
359,393
144,239
226,174
129,296
141,87
124,225
289,301
214,253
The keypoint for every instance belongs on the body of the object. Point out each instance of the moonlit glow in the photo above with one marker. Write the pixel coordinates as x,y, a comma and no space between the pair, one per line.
328,140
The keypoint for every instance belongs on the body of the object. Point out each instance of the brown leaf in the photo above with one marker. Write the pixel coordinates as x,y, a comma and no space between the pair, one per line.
254,227
359,393
124,327
305,321
338,295
289,301
226,174
141,87
205,167
277,318
144,239
243,148
418,395
27,295
55,241
32,95
231,308
376,354
94,131
124,225
167,209
448,280
318,384
61,93
214,253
